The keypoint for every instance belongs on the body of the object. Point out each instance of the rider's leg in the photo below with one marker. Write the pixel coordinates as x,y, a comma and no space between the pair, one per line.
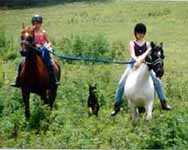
119,94
48,61
120,90
160,91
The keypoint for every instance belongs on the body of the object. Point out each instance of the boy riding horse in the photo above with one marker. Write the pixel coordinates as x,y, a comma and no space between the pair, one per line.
42,43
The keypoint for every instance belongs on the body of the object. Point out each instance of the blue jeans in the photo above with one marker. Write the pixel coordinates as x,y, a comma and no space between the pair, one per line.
46,57
120,89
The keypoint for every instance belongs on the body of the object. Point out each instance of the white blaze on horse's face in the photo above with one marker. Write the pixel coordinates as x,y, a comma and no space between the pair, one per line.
139,91
26,34
159,54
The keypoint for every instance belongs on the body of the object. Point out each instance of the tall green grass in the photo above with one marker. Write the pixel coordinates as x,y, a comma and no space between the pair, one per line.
102,30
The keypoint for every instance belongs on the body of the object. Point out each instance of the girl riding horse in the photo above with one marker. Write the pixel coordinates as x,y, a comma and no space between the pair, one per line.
37,74
43,44
139,49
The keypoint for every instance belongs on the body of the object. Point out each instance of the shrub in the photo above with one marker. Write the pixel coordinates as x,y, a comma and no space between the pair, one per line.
39,115
7,49
85,45
2,39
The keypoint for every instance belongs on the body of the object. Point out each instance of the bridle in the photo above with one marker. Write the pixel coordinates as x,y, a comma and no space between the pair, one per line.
157,61
151,63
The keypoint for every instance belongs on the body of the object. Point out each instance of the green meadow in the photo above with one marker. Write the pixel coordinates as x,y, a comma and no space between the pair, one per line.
102,29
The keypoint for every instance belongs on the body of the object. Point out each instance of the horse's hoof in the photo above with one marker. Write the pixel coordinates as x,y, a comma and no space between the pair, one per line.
148,118
135,121
14,85
57,83
90,110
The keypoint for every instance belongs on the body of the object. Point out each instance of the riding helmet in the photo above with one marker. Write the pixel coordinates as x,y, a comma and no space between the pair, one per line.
37,18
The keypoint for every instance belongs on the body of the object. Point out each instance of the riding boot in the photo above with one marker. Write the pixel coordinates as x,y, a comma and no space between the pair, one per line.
165,106
116,109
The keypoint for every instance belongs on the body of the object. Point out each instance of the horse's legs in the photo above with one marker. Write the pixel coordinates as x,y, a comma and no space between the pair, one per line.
52,96
134,115
134,111
25,96
49,97
44,97
149,108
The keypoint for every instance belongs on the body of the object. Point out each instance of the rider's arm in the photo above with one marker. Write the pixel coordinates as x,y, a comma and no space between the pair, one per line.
144,55
47,39
131,50
141,58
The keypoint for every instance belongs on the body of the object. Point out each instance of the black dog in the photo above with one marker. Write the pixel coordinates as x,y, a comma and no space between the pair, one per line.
92,102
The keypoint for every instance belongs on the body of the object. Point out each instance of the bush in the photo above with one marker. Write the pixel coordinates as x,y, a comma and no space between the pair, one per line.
118,50
13,101
7,49
159,13
39,115
2,39
85,45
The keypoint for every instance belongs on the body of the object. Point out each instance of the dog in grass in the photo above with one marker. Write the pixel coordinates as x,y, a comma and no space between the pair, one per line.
92,102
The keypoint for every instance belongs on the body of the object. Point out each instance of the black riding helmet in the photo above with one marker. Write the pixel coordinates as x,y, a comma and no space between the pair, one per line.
140,28
37,18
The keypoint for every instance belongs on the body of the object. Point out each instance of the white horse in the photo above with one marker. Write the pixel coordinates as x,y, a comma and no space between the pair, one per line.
139,87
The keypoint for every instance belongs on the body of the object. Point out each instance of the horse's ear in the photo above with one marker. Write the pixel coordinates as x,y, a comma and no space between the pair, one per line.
161,44
23,25
95,84
152,44
89,84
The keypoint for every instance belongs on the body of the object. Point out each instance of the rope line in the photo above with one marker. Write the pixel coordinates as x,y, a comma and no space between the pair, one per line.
87,59
92,59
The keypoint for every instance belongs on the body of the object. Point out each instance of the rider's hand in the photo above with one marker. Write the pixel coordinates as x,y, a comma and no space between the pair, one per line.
137,65
48,45
139,61
38,45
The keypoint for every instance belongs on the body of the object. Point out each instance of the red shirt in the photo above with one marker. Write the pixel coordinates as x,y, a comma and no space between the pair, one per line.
40,38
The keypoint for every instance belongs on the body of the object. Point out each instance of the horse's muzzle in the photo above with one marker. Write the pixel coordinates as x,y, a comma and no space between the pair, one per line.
159,73
23,52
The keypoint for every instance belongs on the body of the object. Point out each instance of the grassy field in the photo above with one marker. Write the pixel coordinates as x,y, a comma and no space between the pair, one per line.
79,26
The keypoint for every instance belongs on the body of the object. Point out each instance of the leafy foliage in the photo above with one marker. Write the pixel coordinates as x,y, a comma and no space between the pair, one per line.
95,30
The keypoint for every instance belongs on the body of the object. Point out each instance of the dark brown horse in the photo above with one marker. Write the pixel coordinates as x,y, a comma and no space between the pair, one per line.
33,73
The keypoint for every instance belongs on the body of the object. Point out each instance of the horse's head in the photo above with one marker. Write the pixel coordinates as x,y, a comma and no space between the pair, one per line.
92,88
155,59
27,40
